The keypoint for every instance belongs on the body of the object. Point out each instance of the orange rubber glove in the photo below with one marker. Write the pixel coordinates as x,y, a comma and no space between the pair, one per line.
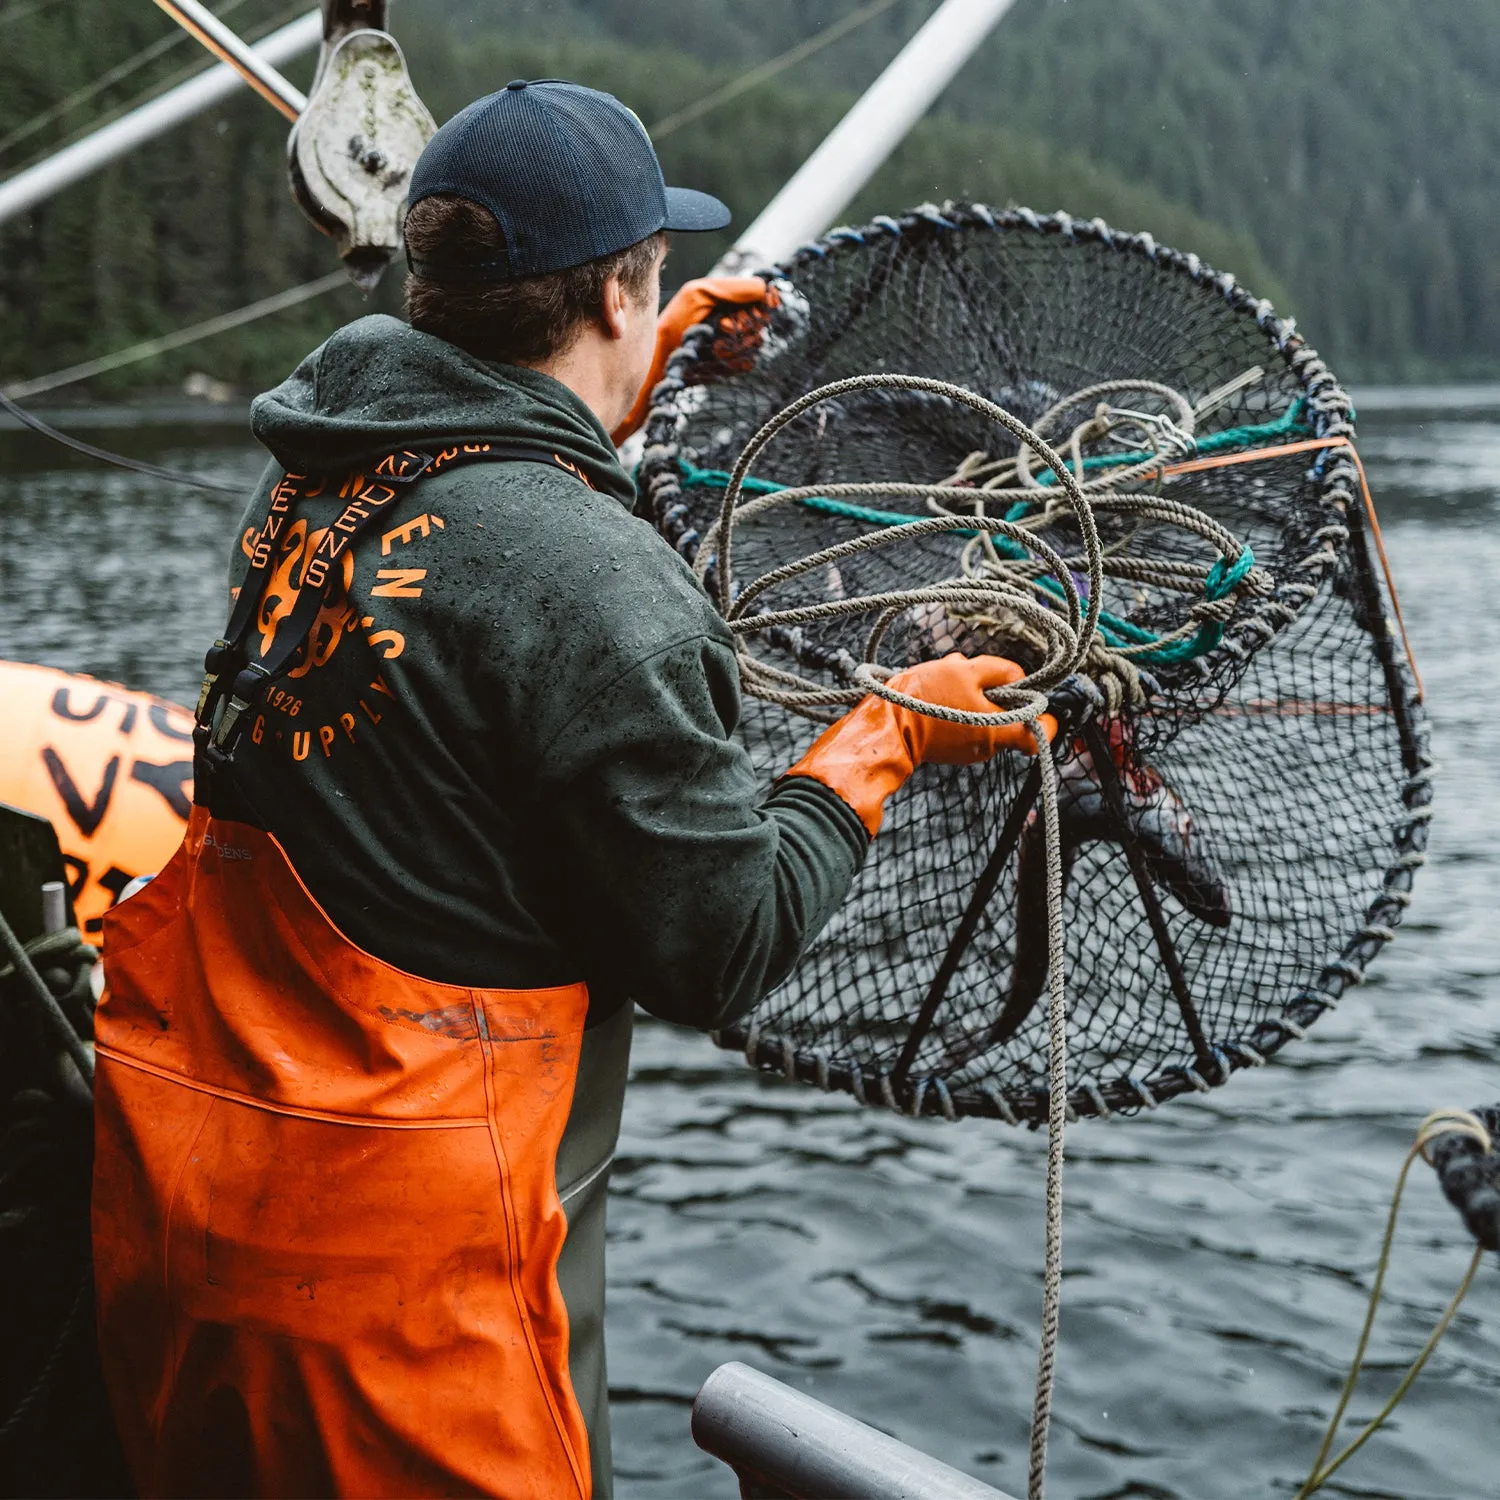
739,306
876,746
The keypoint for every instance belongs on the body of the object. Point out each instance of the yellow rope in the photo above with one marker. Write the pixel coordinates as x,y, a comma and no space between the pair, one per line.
1443,1122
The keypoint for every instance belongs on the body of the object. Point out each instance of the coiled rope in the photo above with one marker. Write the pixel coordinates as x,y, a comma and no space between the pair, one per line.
62,1029
1114,658
1032,579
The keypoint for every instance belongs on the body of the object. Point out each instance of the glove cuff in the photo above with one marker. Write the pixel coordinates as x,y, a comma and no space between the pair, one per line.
862,759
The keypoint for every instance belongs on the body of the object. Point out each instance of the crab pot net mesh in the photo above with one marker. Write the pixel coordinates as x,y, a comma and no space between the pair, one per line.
1269,768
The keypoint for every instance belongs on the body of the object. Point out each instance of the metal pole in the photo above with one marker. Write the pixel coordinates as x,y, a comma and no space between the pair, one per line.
204,26
828,180
785,1443
35,184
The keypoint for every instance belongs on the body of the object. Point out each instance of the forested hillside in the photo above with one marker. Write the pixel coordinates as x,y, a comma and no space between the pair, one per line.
1338,154
194,226
1357,142
202,222
745,152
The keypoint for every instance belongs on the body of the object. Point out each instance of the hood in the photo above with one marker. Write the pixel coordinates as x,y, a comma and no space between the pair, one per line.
378,385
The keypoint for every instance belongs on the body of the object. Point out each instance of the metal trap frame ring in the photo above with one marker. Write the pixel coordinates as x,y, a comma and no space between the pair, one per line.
1344,541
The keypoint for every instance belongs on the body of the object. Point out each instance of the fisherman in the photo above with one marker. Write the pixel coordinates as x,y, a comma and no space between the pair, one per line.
466,788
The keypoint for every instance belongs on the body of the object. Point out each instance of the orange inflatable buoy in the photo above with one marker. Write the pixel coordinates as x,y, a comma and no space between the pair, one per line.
112,769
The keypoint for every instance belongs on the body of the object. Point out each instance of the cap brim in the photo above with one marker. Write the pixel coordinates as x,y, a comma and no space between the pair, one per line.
689,211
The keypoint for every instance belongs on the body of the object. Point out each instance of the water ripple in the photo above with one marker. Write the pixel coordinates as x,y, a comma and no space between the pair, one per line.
1219,1251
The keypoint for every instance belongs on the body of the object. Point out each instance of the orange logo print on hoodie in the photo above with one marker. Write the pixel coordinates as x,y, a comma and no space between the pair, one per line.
335,620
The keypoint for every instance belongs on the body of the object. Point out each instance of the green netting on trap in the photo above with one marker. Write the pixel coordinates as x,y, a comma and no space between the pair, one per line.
1242,772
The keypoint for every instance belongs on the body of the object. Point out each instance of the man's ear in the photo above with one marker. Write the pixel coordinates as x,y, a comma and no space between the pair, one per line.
613,309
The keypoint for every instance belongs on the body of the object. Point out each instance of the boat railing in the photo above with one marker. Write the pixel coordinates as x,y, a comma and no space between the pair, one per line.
785,1445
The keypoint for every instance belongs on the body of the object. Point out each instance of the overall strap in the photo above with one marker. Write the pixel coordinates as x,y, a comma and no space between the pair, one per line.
234,684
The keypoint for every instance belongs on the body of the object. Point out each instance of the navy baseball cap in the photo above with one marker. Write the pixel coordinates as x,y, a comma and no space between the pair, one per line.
568,172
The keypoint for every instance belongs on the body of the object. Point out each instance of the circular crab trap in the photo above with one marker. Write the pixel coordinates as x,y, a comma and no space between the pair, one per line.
1241,774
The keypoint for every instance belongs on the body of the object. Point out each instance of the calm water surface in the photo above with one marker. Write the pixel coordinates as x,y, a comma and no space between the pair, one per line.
1219,1252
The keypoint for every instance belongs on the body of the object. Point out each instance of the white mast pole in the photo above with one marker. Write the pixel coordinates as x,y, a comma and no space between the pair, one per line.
28,188
829,179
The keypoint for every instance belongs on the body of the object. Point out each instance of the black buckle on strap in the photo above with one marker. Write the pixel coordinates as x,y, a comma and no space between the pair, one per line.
246,692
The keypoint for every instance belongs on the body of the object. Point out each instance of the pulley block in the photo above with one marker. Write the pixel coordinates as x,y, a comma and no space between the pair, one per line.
351,153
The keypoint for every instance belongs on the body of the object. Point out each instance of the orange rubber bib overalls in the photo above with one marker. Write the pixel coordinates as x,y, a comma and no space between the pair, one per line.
326,1225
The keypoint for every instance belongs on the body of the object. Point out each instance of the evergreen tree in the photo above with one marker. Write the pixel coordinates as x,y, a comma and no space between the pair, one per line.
1337,155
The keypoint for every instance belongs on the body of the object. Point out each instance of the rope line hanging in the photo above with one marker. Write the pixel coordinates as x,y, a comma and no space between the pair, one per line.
766,71
251,312
1440,1123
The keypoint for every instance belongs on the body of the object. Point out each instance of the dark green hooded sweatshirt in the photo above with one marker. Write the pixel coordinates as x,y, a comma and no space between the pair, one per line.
508,761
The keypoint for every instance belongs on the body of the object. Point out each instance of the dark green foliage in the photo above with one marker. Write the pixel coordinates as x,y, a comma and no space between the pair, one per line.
202,223
1352,140
746,152
164,237
1344,146
635,48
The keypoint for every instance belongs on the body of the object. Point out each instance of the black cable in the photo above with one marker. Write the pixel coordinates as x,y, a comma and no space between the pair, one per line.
42,1385
136,465
64,1033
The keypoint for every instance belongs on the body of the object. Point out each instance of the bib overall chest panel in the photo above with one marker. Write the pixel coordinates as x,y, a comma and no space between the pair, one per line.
331,1264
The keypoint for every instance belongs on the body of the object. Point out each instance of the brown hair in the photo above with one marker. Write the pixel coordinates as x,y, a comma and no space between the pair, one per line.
513,322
